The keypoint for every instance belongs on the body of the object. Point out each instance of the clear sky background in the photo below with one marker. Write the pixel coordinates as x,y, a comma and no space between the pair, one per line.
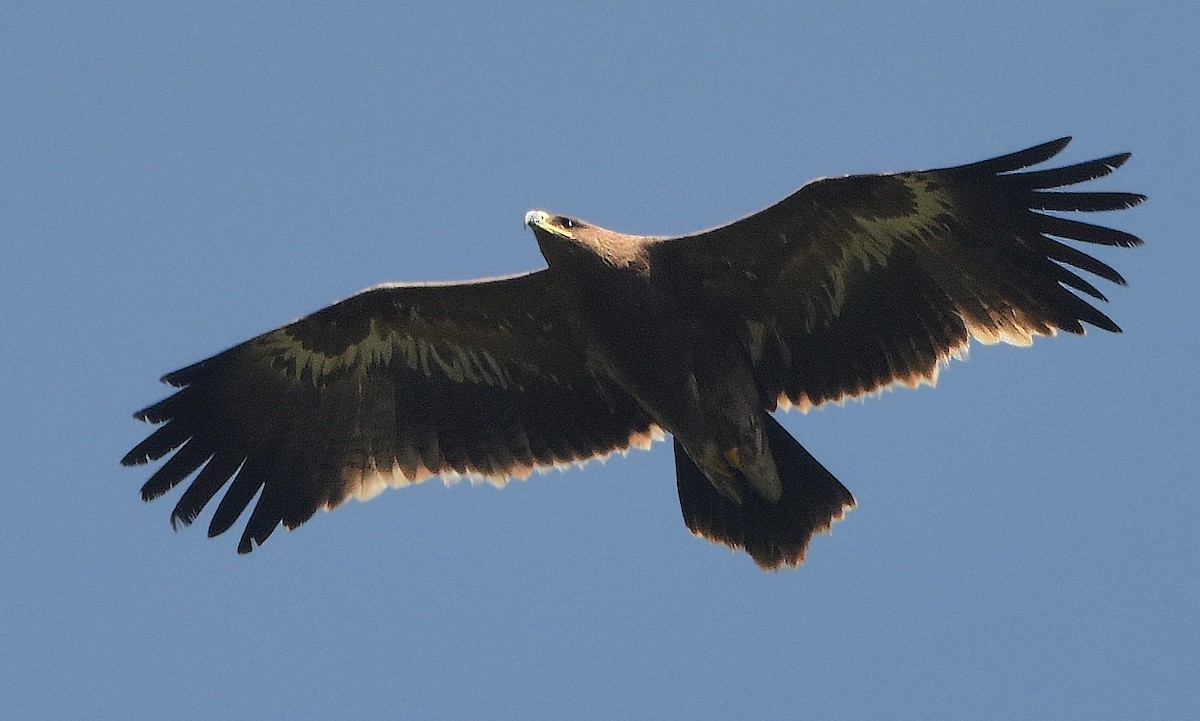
175,178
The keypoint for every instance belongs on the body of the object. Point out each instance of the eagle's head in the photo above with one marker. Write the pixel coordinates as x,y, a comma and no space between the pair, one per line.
561,237
544,223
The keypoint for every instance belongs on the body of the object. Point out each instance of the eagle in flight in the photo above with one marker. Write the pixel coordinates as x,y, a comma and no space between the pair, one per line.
847,286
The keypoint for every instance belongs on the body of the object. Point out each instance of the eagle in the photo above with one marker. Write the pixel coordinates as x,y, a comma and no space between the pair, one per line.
848,286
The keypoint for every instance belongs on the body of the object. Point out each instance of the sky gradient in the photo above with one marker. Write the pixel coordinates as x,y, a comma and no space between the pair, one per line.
177,178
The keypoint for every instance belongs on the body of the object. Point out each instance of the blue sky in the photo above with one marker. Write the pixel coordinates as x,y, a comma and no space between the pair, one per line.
175,178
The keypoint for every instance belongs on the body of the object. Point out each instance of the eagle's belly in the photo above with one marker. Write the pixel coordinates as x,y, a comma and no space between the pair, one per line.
688,371
653,347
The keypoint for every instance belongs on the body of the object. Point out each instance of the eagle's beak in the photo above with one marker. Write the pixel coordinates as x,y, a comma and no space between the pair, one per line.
536,219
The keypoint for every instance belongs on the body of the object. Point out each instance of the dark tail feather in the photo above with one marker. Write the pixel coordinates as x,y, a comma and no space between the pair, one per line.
774,534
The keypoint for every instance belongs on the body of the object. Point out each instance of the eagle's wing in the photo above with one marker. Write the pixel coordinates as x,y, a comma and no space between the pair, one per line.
388,387
852,284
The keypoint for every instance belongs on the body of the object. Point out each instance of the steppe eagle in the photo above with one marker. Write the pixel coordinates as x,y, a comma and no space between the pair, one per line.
849,285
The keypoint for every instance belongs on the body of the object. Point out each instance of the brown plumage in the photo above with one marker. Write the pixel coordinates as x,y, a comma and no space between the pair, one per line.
845,287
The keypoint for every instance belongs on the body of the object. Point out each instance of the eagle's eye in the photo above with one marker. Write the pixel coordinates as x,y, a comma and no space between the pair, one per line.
566,223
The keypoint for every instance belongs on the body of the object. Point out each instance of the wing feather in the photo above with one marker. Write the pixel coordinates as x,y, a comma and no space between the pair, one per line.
1069,174
856,283
393,385
204,488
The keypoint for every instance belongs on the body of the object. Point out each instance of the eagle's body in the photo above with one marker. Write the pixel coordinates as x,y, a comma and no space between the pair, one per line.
847,286
661,351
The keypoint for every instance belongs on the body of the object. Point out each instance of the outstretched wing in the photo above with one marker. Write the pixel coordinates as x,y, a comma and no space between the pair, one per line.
856,283
388,387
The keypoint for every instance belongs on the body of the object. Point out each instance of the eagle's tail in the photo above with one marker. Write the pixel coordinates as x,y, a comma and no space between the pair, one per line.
774,534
